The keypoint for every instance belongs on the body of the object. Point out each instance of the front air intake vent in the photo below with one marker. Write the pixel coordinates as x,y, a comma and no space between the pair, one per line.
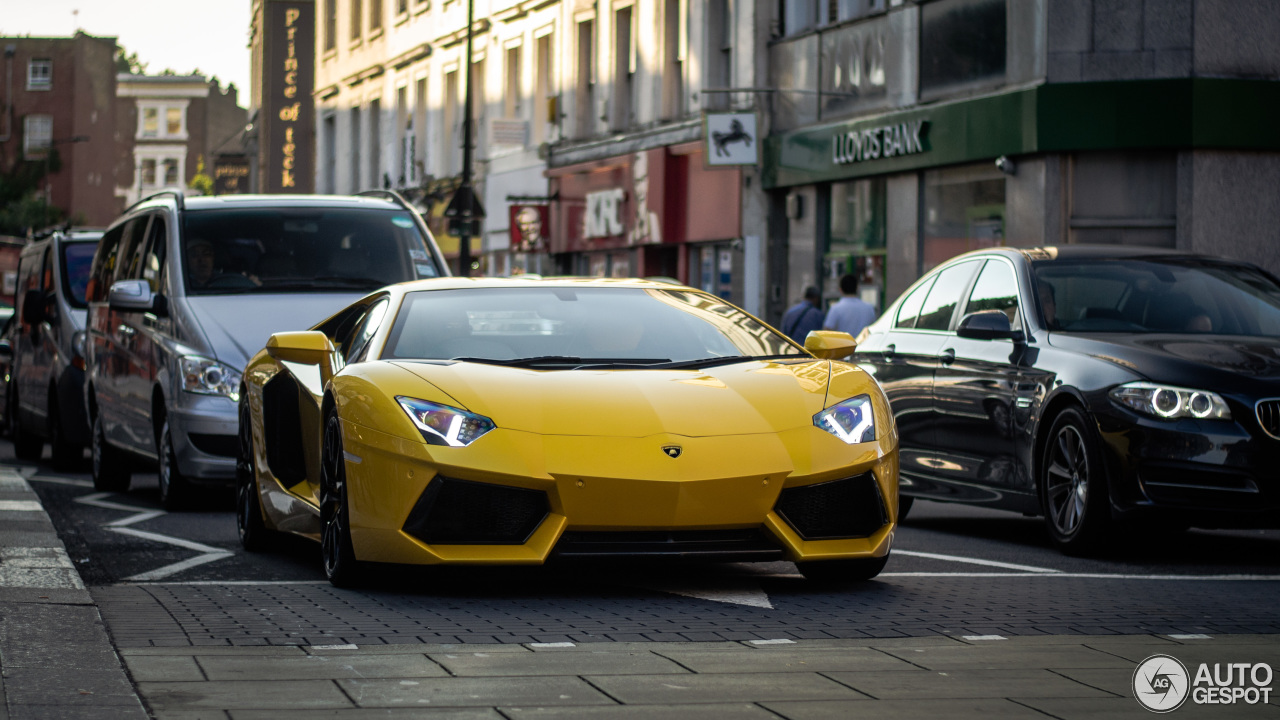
461,512
847,508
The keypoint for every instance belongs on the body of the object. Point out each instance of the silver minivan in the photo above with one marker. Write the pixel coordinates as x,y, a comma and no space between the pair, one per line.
46,386
184,290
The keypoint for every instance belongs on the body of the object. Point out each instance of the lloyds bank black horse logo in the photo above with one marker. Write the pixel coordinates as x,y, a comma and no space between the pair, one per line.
736,134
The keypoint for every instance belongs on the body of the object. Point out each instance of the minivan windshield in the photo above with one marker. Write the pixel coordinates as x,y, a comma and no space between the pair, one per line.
1175,295
77,261
266,250
566,327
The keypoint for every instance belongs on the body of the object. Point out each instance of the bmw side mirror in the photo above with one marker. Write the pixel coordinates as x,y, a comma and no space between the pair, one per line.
130,295
829,344
988,325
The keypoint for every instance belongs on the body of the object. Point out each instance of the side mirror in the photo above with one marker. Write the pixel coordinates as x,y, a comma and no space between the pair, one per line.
130,295
988,325
33,307
830,345
308,347
6,349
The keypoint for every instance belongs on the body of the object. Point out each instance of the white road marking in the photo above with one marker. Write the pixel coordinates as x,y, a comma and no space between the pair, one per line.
983,637
11,481
736,591
200,583
1087,576
175,568
1190,636
61,481
180,542
775,641
20,506
552,645
334,647
207,554
975,561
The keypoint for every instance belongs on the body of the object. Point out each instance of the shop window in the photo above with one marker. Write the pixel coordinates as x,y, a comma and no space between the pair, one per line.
856,238
963,210
39,74
962,44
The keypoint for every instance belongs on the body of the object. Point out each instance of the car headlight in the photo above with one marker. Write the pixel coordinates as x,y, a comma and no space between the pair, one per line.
444,425
1170,403
853,420
204,376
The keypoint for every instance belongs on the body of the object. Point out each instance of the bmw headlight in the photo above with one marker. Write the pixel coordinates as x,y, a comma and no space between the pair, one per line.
209,377
444,425
853,420
1171,403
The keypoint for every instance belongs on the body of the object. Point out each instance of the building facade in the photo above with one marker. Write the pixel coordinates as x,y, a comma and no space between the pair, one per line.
60,93
173,126
908,132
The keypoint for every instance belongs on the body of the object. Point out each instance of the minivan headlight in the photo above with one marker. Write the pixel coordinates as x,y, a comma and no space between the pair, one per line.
853,420
1171,403
204,376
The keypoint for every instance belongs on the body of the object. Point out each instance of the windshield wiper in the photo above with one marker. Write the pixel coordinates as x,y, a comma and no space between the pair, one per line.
572,361
727,360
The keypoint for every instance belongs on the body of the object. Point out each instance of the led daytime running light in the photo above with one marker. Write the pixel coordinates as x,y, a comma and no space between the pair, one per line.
853,421
445,425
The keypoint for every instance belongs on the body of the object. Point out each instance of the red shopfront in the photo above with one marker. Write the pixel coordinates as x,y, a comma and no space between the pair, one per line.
658,212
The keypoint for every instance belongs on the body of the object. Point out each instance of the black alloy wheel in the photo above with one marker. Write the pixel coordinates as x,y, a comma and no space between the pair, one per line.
26,444
1073,485
254,535
174,488
905,503
340,564
111,471
842,571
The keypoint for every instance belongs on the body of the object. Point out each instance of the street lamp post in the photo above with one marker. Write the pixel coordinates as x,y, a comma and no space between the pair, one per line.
48,186
465,212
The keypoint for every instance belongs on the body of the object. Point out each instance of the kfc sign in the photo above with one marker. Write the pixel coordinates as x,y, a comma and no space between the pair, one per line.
604,214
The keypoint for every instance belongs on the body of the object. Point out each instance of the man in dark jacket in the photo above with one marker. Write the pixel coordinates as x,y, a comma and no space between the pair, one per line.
804,316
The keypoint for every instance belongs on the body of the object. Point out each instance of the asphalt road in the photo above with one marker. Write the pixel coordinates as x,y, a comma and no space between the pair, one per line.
181,578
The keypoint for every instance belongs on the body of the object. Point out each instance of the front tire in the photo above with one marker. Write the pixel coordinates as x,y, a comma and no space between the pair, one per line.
842,571
174,488
254,535
340,564
1073,486
905,503
64,453
111,472
26,444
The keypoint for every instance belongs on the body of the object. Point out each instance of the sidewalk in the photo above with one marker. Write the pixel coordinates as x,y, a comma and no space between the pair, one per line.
57,661
55,657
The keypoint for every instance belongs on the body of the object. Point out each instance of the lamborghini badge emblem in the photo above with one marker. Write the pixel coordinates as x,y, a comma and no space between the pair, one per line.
672,451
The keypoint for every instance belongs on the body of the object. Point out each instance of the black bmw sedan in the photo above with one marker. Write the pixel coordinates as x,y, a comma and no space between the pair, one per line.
1089,385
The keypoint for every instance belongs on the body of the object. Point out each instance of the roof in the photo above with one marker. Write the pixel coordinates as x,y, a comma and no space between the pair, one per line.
211,202
480,283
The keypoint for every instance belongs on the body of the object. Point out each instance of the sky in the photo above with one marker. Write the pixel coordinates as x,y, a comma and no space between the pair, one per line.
184,35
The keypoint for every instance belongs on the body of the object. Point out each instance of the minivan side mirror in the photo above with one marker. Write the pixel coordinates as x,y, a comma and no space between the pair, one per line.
6,349
307,347
33,307
131,295
829,344
988,325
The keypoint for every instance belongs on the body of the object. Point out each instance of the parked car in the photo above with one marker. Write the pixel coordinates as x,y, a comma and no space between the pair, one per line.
504,421
47,390
6,374
183,290
1088,385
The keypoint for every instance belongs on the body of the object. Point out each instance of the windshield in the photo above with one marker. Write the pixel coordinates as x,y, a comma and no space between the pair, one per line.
77,260
573,327
264,250
1178,295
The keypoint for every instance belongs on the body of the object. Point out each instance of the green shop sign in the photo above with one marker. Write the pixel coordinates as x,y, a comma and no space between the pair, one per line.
1064,117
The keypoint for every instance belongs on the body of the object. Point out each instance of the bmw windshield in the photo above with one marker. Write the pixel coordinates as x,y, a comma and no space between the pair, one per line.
265,250
569,327
1174,295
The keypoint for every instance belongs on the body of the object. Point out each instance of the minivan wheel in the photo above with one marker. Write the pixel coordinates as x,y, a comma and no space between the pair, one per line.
26,444
1073,486
174,488
111,472
64,454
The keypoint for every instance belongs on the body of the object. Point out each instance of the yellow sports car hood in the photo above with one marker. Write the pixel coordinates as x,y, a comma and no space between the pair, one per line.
739,399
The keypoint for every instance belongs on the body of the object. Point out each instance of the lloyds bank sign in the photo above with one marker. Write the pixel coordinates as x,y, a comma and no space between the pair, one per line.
885,141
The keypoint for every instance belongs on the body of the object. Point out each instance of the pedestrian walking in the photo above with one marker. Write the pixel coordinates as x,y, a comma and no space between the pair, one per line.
803,317
850,314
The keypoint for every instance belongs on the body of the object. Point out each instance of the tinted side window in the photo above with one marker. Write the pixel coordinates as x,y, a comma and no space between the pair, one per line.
104,264
944,295
152,259
910,307
131,255
996,289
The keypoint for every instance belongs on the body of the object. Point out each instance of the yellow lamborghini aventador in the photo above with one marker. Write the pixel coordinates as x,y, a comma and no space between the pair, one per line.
511,421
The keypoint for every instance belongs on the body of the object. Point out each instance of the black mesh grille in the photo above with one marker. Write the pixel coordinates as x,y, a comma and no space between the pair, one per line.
848,508
460,512
750,544
224,445
1269,417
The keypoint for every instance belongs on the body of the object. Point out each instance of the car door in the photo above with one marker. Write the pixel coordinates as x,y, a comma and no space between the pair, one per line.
141,331
44,341
977,389
30,272
922,462
101,344
129,424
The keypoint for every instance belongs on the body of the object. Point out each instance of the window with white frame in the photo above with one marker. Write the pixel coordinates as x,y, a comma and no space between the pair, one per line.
39,74
162,120
37,136
161,166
